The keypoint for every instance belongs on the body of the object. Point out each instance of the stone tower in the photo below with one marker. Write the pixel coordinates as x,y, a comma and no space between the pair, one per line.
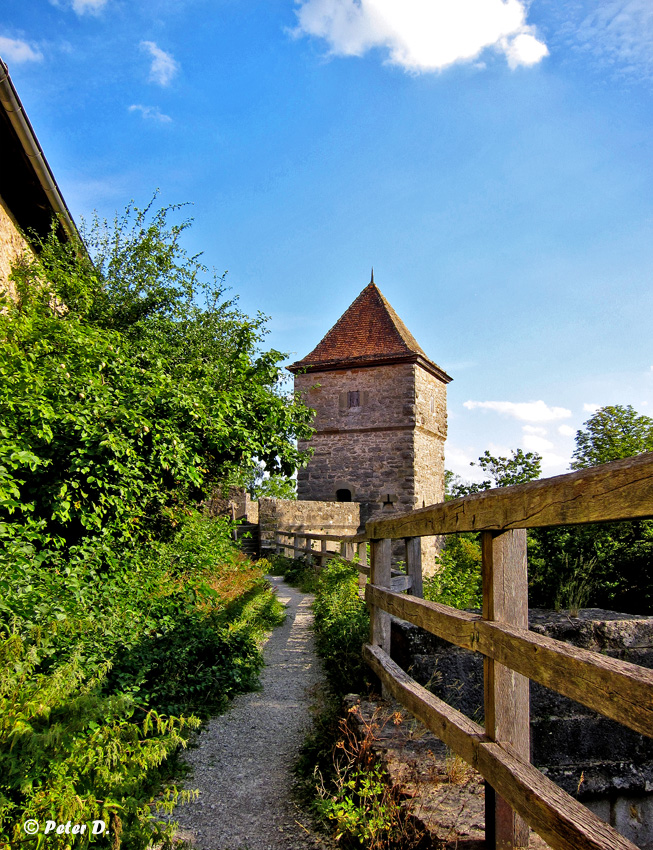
380,413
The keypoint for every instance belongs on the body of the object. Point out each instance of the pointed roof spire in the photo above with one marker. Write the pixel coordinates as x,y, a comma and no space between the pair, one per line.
372,278
369,333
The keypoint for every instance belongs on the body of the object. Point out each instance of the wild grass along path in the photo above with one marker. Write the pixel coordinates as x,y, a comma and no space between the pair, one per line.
243,764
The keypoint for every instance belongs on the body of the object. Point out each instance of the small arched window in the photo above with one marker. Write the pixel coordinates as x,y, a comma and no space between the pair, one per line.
343,495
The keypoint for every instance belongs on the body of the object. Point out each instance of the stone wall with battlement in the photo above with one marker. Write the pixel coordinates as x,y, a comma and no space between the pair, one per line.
318,517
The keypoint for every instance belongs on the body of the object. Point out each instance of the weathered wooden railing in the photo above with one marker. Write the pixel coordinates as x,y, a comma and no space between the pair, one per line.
349,545
517,794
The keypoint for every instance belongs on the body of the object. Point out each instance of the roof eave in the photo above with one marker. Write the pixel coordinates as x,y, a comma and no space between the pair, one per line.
301,366
13,107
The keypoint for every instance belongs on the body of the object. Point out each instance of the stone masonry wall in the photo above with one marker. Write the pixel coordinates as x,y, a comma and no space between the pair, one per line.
318,517
367,449
236,502
430,435
12,246
389,400
388,451
372,466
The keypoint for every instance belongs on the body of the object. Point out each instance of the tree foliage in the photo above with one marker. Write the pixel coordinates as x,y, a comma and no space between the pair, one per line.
132,383
518,468
613,562
130,387
612,433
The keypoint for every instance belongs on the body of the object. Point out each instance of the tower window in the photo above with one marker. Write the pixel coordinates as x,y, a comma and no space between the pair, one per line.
354,399
432,404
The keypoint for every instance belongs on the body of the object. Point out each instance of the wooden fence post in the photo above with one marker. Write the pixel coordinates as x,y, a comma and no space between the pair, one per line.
505,600
277,543
323,552
380,575
309,549
414,565
362,560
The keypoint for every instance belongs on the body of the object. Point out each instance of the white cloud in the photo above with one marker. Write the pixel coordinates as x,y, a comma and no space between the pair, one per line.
591,408
534,429
526,411
90,6
566,431
524,49
533,443
16,50
423,35
460,461
151,112
163,67
553,464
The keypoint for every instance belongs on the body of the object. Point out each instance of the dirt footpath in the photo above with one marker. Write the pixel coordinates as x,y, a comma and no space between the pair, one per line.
243,764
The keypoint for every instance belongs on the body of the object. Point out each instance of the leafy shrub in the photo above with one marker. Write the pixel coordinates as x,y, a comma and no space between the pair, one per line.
129,384
95,662
362,807
342,626
70,752
458,581
357,797
128,388
296,571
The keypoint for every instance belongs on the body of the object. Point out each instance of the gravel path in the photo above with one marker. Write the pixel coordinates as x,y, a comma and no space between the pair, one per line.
243,763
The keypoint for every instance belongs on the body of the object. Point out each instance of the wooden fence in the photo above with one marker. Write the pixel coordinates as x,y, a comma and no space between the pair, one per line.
517,794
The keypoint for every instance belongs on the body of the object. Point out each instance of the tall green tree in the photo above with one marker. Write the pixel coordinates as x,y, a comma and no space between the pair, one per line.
130,386
611,562
612,433
129,382
518,468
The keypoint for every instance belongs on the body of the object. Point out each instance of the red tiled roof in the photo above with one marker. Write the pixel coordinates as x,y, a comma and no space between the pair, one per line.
368,333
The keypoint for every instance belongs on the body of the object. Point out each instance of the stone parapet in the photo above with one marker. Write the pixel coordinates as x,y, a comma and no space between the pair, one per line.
303,517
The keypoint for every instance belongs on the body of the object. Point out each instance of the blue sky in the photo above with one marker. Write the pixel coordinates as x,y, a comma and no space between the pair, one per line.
491,159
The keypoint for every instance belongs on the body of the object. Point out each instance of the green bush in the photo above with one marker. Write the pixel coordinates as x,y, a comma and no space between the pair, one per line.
93,665
70,752
296,571
458,581
129,388
342,626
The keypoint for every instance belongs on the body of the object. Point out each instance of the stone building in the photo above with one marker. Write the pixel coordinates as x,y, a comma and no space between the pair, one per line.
29,196
380,413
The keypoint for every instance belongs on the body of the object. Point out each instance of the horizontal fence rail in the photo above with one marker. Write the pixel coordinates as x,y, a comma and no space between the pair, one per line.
617,689
563,822
614,491
518,796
